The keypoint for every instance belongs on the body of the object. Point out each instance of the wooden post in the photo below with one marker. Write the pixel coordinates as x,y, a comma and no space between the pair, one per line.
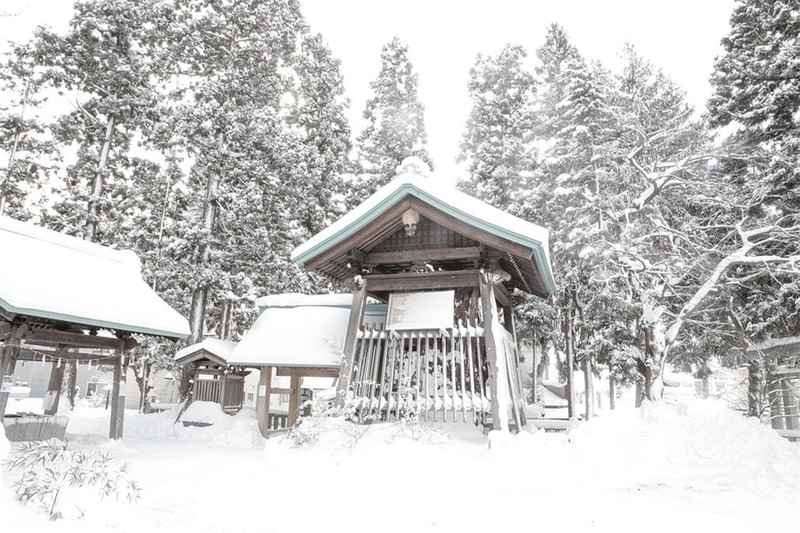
8,361
223,388
118,395
294,399
262,399
53,395
775,398
790,412
353,325
489,308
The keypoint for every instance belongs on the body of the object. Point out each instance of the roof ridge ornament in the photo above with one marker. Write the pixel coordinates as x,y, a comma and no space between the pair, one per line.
413,165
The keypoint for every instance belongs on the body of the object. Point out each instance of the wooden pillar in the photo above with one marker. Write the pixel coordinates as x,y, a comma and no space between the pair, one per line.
8,361
53,394
262,399
775,397
790,413
118,394
496,382
353,325
294,399
222,388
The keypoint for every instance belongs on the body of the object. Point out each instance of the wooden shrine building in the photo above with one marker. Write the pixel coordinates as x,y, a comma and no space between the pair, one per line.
66,300
446,265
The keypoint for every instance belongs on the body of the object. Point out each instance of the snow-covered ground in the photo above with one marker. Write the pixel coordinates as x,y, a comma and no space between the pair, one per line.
661,468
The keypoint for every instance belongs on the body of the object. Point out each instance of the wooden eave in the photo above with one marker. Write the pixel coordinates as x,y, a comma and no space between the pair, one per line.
52,336
341,261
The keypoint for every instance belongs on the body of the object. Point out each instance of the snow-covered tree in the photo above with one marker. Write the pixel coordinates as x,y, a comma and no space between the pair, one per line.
756,102
395,123
26,151
106,63
494,146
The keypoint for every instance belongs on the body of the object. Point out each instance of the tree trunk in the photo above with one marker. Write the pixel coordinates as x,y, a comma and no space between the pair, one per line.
569,355
652,367
71,382
197,313
588,381
99,181
143,381
753,389
612,390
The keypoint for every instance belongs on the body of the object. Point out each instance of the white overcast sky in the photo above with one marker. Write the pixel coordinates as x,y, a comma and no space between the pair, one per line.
444,36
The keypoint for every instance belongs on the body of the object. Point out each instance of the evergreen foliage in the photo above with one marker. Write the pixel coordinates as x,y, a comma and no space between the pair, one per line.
395,123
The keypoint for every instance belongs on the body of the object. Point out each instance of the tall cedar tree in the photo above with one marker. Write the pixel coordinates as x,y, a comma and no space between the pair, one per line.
260,113
756,84
494,146
395,123
107,64
27,155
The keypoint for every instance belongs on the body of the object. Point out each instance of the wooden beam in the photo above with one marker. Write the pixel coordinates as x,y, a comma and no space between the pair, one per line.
413,256
469,230
5,329
7,315
358,256
262,399
388,222
424,280
353,325
303,372
76,340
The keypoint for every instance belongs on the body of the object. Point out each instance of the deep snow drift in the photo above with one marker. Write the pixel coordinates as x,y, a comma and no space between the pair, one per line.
661,468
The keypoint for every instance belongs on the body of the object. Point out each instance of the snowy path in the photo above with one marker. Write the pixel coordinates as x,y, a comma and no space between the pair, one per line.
657,471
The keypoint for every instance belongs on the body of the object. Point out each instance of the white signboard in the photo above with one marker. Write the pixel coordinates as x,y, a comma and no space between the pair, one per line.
421,310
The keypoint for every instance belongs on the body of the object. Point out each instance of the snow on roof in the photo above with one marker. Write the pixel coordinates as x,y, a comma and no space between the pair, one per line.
217,347
300,336
455,203
295,299
50,275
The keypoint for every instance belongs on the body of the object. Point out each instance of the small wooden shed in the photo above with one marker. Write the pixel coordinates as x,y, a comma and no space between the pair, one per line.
296,336
63,299
215,378
446,265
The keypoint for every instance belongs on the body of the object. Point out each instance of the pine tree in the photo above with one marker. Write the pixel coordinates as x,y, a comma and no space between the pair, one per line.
253,148
395,123
26,151
495,147
319,116
756,83
107,61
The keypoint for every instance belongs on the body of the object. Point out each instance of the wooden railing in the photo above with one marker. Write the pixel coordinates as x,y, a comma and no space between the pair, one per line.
206,390
211,390
428,373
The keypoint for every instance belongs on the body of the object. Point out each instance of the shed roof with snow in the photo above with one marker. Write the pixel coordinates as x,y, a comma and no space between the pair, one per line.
459,221
306,332
53,276
217,351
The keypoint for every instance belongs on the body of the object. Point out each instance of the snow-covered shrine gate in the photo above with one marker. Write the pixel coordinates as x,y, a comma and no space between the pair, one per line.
63,299
411,237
